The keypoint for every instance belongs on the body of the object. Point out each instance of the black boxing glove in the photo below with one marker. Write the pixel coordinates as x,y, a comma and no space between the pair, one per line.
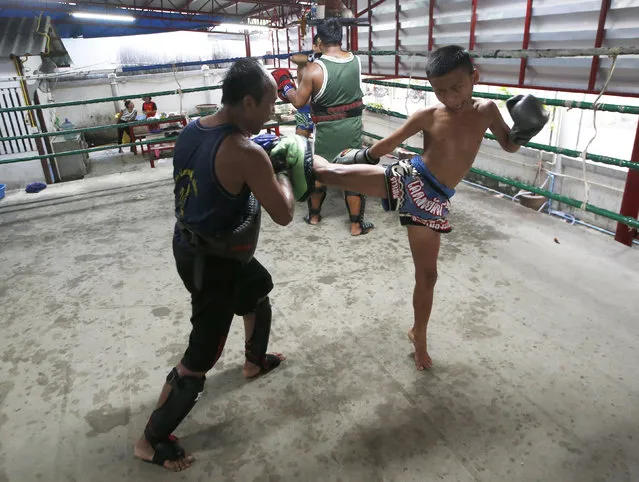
529,118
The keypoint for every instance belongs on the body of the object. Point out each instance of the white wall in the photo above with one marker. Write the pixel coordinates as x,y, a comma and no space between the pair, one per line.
111,53
88,115
146,50
18,175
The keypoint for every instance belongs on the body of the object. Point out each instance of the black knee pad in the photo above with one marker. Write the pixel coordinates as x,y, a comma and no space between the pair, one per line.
185,392
258,344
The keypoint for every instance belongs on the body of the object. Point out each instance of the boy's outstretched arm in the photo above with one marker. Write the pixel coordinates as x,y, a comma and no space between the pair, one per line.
500,129
419,121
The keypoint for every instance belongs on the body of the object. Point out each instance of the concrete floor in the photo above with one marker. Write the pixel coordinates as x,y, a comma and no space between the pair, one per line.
534,344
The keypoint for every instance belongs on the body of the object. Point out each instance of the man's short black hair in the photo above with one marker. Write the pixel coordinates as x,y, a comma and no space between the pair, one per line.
245,77
330,31
446,59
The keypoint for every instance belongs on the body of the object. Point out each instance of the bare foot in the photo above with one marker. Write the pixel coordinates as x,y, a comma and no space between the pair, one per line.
423,360
357,230
144,451
314,219
251,370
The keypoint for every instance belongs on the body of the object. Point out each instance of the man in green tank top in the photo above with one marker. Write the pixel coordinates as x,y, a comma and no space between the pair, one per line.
332,83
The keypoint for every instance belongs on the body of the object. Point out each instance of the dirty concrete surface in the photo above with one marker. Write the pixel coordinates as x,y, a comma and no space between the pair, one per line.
534,345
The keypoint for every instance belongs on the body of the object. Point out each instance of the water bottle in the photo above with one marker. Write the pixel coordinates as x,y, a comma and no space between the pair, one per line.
65,126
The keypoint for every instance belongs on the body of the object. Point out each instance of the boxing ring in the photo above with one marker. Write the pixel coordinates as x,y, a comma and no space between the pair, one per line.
533,332
626,218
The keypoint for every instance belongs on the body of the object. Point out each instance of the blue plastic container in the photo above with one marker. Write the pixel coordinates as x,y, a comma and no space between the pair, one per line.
66,125
2,188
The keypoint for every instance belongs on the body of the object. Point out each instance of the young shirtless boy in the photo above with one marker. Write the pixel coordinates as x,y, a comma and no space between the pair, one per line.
421,188
304,124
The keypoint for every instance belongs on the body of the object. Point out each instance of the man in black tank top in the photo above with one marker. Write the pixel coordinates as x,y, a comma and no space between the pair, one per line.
221,180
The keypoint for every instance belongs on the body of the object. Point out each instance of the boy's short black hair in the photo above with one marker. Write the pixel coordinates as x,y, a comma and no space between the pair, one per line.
330,31
446,59
245,77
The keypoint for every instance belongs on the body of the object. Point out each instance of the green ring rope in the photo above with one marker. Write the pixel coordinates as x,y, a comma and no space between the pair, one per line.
627,220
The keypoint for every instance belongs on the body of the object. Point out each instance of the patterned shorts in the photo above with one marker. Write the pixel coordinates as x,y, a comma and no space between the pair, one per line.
303,118
418,196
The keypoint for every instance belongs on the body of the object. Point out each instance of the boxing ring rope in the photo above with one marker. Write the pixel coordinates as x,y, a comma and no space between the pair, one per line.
627,220
550,53
107,147
569,104
87,129
613,161
99,100
518,53
547,148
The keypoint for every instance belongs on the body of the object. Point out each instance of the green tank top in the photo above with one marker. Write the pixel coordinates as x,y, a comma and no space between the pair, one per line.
342,85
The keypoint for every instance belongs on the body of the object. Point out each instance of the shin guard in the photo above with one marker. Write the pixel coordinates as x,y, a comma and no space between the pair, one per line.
258,344
355,218
185,392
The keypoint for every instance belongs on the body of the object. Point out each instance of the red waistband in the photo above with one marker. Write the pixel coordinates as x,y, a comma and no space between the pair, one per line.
337,112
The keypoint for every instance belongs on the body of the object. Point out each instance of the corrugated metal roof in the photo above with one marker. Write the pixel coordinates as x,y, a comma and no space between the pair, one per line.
20,37
33,36
151,16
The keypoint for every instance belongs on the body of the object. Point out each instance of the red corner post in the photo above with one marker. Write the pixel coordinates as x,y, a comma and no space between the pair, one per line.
354,33
601,30
524,62
431,20
473,23
247,44
630,202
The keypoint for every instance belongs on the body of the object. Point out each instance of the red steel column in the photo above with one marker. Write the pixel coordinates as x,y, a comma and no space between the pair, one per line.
247,44
603,13
288,49
630,201
396,36
370,37
354,36
524,45
431,21
473,23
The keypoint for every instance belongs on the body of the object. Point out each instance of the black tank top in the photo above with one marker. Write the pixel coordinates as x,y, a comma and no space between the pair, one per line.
200,201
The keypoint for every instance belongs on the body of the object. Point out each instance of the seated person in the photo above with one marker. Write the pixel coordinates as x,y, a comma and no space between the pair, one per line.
149,108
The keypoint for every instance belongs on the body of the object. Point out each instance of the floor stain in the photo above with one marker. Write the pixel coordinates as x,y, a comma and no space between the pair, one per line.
5,389
83,258
174,352
327,280
161,312
77,281
106,418
63,321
